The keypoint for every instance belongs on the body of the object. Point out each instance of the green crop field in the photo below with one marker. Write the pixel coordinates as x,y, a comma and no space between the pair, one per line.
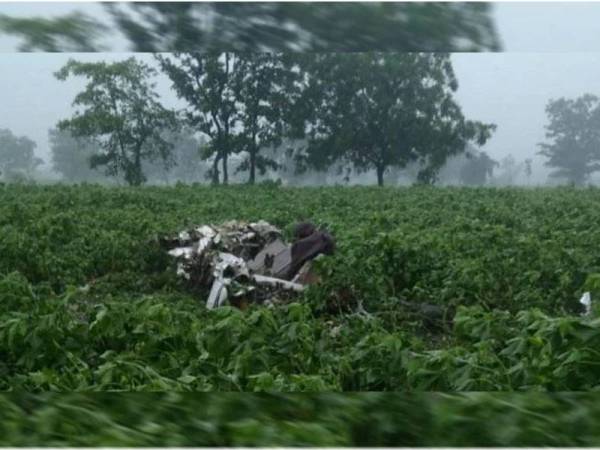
90,302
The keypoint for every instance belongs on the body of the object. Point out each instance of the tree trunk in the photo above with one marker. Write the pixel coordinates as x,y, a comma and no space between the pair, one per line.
133,171
138,168
252,177
215,171
380,170
225,175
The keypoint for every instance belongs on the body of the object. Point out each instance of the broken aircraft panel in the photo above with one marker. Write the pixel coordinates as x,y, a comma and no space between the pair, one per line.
242,261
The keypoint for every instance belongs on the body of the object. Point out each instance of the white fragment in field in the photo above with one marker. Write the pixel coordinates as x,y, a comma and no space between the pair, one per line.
247,236
586,301
278,283
181,272
264,228
206,231
181,251
237,266
243,290
218,294
184,236
203,244
335,331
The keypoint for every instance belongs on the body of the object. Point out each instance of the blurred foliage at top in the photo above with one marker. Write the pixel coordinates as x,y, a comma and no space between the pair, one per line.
262,26
71,33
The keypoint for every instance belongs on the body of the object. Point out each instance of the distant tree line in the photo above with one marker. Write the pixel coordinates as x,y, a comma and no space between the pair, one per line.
302,117
357,111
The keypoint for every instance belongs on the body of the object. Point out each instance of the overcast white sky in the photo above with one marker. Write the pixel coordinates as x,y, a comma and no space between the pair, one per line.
551,50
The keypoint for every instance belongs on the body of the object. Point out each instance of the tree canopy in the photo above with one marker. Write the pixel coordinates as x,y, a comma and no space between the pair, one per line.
239,100
478,169
382,110
71,157
119,111
573,132
265,89
509,171
207,83
185,164
17,154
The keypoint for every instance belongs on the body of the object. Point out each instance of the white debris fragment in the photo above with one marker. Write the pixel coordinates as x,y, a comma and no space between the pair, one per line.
206,231
335,331
278,282
586,301
227,260
264,228
218,294
222,256
182,272
181,251
247,236
203,244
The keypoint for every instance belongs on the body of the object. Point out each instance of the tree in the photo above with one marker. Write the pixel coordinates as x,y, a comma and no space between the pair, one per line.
17,154
238,100
71,157
478,169
206,82
120,113
274,27
188,149
382,110
186,164
574,134
264,87
509,172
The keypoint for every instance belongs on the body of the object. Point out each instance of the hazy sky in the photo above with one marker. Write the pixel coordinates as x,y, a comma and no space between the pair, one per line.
550,52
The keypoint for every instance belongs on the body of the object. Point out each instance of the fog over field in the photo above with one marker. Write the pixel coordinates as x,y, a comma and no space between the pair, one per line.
550,52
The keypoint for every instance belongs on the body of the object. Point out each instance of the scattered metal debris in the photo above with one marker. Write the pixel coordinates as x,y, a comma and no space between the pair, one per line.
247,262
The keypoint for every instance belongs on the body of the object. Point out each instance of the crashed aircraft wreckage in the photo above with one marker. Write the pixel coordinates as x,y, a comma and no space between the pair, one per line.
248,262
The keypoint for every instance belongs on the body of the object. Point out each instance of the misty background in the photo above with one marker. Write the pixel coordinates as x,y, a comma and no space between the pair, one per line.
551,51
